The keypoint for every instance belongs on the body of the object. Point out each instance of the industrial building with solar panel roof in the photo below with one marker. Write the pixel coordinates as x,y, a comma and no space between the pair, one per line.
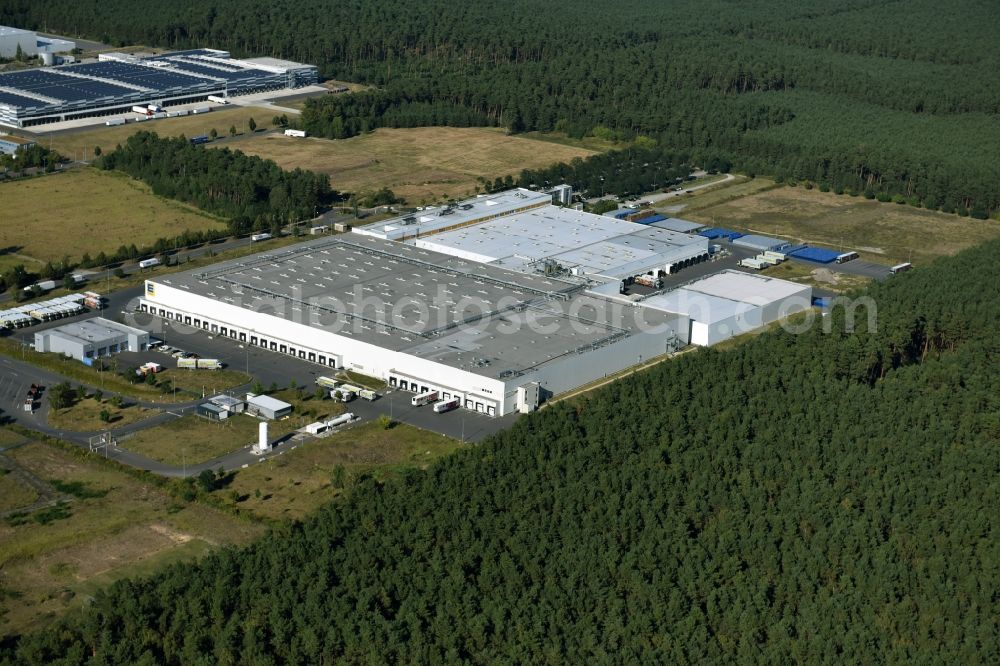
119,81
500,301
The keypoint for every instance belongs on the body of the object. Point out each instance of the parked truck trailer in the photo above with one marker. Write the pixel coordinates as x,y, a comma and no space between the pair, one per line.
424,398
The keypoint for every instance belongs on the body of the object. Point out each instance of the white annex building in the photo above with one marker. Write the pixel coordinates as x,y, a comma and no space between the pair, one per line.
30,43
501,301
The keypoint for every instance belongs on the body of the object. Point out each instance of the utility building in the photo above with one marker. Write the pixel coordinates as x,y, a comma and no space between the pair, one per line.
90,339
30,43
731,303
267,407
9,145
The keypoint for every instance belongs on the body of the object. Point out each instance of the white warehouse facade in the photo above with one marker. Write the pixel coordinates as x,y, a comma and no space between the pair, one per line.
731,303
498,340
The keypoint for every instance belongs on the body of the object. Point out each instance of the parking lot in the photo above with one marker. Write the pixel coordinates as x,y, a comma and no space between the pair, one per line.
269,368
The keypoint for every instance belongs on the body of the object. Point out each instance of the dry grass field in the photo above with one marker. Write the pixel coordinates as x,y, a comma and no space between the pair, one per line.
13,493
709,197
421,164
193,439
118,526
292,485
86,210
882,232
85,416
816,276
80,143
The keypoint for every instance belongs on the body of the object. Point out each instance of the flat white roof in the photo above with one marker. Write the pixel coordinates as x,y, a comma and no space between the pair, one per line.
677,224
747,288
276,63
594,243
7,30
267,402
435,218
700,307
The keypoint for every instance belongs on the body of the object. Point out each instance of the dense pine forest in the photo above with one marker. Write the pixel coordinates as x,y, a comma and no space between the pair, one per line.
898,98
800,498
249,191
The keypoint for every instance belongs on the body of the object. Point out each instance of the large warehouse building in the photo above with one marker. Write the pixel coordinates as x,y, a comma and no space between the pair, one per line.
119,81
419,320
500,301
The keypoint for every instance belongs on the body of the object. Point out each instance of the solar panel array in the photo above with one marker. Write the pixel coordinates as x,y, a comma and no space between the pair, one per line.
41,95
138,75
18,100
57,86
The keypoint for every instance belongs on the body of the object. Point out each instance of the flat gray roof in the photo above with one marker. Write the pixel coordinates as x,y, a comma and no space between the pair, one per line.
677,224
479,318
267,402
469,211
594,243
92,331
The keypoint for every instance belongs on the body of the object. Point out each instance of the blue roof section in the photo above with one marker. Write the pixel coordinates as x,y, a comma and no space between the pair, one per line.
719,232
652,218
623,213
820,255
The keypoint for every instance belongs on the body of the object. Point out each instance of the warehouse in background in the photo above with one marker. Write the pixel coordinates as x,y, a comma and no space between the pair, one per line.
10,145
90,339
120,82
31,44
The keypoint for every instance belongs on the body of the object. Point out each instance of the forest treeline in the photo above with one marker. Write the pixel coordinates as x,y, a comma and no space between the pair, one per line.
856,93
798,497
247,190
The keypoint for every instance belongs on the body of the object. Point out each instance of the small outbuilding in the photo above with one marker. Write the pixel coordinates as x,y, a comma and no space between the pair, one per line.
760,243
10,145
267,407
91,338
211,412
229,403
